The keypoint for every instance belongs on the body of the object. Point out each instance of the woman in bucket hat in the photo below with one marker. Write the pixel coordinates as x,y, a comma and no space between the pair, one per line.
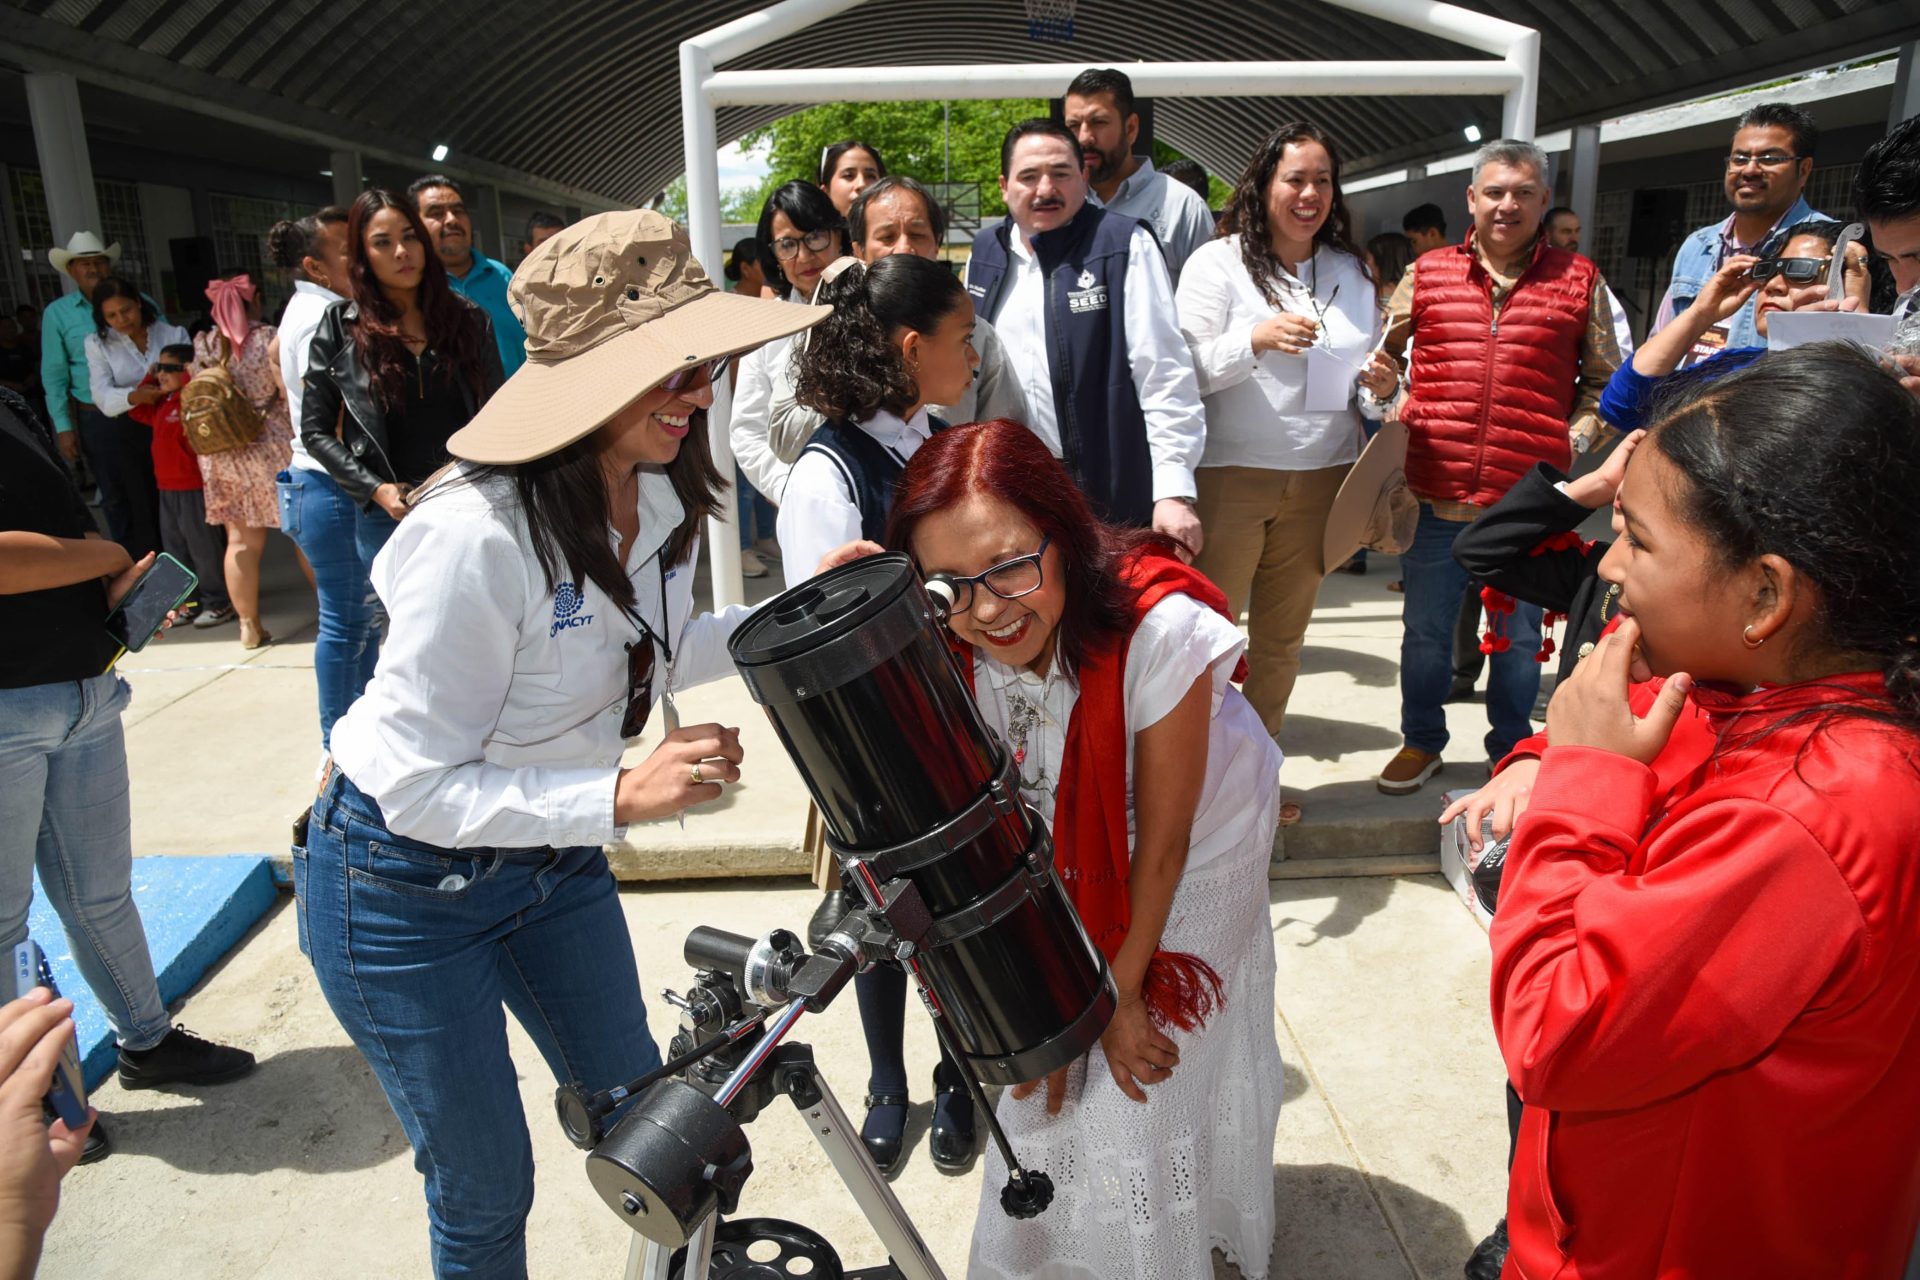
540,599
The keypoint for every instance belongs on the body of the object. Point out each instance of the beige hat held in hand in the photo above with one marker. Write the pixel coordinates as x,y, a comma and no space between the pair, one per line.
612,305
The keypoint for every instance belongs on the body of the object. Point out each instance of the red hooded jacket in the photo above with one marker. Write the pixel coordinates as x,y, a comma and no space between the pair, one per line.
1706,987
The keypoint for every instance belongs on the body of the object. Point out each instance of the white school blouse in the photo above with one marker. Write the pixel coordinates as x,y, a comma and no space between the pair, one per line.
818,512
1177,641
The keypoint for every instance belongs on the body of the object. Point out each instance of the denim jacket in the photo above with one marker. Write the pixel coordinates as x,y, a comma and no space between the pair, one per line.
1703,253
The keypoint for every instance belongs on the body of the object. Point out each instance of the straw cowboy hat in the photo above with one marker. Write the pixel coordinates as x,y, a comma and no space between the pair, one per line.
612,305
84,244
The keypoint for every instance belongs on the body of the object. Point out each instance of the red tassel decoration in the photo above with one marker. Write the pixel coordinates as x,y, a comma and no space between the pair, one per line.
1181,990
1499,605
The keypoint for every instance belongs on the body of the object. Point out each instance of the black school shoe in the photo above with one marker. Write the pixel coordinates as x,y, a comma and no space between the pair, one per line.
885,1129
182,1058
950,1140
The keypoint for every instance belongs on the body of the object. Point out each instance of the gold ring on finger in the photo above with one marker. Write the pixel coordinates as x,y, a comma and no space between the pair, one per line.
698,778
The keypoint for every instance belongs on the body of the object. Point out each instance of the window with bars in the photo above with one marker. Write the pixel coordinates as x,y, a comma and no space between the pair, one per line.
240,226
120,222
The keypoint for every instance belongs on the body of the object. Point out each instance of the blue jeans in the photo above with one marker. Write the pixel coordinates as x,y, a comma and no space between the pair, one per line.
416,949
63,808
323,523
1435,585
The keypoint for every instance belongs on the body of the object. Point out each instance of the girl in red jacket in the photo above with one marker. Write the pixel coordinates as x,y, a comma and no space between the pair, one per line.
1706,983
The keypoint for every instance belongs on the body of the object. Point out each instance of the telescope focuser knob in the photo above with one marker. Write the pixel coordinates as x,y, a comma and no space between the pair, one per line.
1027,1194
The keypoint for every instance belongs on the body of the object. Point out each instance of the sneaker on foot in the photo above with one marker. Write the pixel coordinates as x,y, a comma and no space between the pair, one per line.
769,548
215,617
186,613
751,565
182,1058
1408,771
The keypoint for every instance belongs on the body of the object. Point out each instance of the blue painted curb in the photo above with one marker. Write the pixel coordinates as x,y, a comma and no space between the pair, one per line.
194,909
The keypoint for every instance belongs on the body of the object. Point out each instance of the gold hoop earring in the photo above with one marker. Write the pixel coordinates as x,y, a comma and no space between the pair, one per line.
1746,637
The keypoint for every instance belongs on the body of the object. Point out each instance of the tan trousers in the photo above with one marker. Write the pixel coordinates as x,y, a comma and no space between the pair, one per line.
1263,532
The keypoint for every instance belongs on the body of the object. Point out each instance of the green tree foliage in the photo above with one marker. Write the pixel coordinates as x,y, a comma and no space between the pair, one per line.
910,135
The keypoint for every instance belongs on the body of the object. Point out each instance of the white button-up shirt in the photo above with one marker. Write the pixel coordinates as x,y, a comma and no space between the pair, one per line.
1174,210
1157,357
493,718
1256,404
302,316
115,367
820,513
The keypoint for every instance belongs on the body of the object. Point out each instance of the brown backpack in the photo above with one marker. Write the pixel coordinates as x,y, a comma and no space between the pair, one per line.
215,414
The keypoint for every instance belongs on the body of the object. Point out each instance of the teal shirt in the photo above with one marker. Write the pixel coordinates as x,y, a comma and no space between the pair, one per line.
486,283
64,327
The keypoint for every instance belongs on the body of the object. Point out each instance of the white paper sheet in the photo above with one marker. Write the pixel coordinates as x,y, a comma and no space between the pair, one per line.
1789,329
1329,381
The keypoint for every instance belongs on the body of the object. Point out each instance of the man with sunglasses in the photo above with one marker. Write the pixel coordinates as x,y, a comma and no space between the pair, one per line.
1767,169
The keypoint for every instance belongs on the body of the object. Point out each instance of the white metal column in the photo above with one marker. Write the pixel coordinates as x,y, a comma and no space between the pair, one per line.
66,166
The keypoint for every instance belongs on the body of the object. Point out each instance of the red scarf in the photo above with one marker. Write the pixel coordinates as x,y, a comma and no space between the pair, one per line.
1091,846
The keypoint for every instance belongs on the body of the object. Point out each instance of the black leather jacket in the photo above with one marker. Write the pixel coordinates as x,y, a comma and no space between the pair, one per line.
352,446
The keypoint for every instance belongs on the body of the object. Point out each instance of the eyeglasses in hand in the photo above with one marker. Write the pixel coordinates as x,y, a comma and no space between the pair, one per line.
1794,270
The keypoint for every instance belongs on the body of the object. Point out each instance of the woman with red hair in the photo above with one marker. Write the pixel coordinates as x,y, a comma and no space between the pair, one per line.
1099,657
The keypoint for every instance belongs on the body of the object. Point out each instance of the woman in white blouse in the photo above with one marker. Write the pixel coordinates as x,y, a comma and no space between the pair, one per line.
540,602
800,232
1280,314
1100,660
128,337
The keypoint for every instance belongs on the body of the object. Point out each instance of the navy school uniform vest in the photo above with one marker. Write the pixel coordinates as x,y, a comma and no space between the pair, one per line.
1103,433
871,469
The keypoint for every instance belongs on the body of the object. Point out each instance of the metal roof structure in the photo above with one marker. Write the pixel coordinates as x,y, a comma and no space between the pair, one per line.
581,97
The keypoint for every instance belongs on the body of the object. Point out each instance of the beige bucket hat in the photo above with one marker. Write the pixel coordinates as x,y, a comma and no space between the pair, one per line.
612,305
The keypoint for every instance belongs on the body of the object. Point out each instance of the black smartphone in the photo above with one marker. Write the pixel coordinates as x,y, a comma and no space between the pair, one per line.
165,586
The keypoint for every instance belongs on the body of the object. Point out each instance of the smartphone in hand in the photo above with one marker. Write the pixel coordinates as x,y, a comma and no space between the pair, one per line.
66,1094
163,588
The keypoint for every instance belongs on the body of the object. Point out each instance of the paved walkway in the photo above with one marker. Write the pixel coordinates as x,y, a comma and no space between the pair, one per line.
1389,1161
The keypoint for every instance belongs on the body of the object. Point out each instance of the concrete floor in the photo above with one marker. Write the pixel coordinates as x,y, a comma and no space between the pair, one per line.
1390,1155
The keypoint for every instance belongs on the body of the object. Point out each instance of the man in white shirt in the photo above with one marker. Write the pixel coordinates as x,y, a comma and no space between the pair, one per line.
1100,112
1084,305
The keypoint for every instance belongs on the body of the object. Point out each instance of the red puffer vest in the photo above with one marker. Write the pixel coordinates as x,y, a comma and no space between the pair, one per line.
1491,392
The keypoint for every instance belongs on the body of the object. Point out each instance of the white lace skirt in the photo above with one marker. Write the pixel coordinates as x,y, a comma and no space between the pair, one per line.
1148,1192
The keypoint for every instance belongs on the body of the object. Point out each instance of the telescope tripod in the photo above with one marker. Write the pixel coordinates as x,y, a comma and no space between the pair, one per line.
791,1070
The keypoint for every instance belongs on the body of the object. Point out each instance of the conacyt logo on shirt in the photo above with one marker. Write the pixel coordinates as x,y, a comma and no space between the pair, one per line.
566,609
1090,296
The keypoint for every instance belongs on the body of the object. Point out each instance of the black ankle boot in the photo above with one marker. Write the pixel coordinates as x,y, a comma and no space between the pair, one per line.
885,1129
950,1140
1489,1256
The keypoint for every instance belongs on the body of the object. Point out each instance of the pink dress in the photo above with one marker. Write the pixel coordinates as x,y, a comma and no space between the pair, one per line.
240,482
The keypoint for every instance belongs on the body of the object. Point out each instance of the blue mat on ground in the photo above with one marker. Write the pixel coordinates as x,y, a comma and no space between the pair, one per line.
194,910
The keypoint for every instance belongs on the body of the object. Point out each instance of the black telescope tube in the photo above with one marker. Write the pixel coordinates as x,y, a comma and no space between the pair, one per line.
856,676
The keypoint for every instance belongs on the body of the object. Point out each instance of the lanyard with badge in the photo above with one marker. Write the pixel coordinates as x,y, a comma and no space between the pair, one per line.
641,667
